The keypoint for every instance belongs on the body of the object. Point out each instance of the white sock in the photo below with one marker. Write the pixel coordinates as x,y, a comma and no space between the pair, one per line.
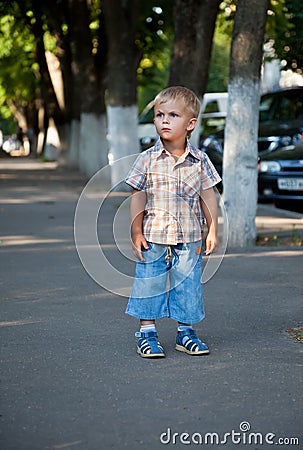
184,327
148,328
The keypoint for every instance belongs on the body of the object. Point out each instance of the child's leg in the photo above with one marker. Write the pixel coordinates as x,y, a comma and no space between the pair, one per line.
148,299
184,326
147,325
185,295
147,322
186,300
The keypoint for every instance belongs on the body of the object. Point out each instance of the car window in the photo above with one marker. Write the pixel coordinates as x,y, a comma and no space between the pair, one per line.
290,108
281,107
212,107
210,125
265,108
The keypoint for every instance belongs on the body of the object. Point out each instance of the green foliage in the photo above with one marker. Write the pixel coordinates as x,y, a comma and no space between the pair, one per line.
287,33
152,75
19,69
7,120
17,65
7,126
225,19
283,39
219,64
155,39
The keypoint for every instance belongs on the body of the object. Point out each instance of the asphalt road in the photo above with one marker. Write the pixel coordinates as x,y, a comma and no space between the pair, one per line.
70,376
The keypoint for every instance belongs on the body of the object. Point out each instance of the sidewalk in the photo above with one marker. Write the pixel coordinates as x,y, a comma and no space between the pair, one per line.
70,376
277,227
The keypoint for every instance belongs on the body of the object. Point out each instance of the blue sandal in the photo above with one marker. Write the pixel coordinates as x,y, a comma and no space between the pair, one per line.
188,342
148,345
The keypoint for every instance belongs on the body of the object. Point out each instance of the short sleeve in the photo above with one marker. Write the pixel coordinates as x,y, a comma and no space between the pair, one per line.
136,177
210,176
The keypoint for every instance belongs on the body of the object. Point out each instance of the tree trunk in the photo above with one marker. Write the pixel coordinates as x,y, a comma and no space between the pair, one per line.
56,108
123,59
48,92
241,131
88,108
63,53
194,29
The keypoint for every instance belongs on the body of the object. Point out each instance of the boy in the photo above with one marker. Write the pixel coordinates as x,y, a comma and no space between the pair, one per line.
172,185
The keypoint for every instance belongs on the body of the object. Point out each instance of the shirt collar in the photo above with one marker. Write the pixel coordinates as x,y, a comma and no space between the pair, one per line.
159,149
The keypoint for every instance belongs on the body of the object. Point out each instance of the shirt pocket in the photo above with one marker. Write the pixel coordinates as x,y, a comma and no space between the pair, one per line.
191,184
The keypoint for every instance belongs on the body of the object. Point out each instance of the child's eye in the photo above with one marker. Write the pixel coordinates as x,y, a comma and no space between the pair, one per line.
159,114
174,115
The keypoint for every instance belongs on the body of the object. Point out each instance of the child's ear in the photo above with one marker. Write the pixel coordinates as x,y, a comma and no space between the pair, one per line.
191,124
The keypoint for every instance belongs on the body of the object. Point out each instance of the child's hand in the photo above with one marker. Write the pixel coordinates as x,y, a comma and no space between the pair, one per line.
139,241
211,243
210,210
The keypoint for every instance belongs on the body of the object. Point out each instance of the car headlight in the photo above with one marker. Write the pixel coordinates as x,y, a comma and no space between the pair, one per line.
269,166
285,141
297,138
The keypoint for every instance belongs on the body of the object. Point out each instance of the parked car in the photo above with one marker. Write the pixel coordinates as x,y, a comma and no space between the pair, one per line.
212,118
11,144
146,128
280,147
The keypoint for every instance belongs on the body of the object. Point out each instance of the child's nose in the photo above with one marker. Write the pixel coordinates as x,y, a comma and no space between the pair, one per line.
165,118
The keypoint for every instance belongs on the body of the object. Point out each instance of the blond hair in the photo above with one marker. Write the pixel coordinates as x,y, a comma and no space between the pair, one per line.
190,99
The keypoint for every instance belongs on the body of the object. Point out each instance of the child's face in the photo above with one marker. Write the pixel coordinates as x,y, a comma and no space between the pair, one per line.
172,120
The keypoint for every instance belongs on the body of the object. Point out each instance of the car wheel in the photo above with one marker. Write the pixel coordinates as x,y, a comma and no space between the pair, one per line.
290,205
281,204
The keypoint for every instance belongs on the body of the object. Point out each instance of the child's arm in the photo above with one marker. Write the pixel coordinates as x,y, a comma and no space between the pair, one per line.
137,205
210,209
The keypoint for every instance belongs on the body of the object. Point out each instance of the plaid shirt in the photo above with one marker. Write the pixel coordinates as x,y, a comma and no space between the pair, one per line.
173,212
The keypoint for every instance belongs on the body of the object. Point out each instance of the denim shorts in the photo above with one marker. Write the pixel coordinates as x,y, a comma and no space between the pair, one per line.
168,284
